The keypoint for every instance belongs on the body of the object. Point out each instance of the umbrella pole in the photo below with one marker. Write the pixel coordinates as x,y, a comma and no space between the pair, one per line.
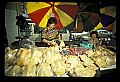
18,15
75,38
76,29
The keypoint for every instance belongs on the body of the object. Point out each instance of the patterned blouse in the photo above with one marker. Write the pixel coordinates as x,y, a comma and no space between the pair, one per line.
50,34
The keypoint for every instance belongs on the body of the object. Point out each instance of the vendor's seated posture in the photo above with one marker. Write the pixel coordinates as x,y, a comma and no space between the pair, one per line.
50,34
94,39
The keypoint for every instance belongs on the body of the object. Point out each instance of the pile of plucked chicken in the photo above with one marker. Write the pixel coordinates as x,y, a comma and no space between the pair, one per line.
103,57
49,62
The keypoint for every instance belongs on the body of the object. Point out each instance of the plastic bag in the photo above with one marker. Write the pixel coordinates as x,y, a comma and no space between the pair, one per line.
26,43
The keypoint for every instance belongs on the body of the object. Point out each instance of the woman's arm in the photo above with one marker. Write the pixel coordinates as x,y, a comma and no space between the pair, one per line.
60,37
100,41
46,41
49,42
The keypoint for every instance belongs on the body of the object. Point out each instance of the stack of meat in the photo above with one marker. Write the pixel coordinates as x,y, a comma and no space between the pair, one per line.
47,62
103,57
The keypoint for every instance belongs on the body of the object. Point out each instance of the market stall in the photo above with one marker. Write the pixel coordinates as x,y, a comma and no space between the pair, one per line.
58,61
73,58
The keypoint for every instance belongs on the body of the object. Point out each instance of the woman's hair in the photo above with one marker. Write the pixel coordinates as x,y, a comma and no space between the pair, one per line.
94,32
51,20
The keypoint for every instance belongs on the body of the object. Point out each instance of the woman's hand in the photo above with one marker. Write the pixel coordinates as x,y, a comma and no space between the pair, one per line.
62,44
49,42
52,43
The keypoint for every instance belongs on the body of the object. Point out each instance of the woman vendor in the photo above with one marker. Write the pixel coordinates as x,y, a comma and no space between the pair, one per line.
94,39
50,34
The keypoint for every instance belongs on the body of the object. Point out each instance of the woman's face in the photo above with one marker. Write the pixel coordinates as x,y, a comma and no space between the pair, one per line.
52,25
93,36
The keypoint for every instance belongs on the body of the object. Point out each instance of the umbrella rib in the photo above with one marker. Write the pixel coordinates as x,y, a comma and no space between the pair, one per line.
89,13
84,7
86,18
89,20
77,19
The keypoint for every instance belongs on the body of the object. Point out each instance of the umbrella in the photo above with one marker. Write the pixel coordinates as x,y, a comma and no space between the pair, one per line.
64,12
108,13
88,17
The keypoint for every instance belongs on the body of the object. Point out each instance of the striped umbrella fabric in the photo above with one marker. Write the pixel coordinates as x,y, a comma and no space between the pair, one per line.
108,14
40,12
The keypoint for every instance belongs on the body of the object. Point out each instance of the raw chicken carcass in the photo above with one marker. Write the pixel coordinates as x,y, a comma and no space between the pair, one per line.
44,69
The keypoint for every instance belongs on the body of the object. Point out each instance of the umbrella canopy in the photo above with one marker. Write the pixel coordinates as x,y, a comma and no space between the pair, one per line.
40,12
108,13
88,17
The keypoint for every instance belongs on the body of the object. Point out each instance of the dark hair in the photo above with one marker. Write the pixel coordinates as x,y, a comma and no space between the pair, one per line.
51,20
94,32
